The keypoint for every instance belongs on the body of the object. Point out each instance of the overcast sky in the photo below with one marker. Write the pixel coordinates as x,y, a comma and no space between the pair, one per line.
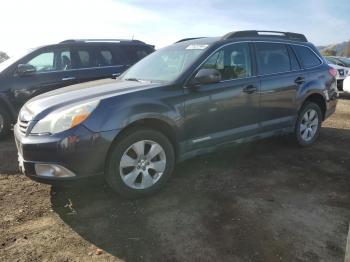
30,23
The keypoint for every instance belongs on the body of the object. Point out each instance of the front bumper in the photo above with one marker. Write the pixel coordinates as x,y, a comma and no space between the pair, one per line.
70,155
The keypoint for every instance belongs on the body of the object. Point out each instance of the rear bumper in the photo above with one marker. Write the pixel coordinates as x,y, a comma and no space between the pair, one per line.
331,104
79,152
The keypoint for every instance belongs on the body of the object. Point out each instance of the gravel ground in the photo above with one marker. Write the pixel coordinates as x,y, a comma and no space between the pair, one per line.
264,201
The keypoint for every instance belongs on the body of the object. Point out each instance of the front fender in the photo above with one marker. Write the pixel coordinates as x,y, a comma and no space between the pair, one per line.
112,116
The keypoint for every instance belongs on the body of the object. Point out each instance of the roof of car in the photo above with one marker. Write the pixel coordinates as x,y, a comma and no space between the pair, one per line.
251,35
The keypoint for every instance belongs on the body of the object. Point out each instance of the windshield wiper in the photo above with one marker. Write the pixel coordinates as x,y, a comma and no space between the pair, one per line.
132,79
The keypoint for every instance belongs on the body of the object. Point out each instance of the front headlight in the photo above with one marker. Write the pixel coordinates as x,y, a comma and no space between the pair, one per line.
64,118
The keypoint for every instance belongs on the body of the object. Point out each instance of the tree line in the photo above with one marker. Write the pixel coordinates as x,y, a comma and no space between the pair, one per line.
331,52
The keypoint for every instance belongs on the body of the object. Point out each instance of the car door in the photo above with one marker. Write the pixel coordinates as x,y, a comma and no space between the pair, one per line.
281,77
228,110
52,71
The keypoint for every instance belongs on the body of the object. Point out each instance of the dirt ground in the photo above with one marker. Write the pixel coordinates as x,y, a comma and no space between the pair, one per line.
264,201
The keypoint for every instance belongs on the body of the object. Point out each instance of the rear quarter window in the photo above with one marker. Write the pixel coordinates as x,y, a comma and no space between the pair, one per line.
307,57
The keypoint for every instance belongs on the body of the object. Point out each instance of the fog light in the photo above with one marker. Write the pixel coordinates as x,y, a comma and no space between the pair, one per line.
52,170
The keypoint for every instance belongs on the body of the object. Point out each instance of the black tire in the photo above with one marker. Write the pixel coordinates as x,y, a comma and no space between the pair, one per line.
297,132
5,126
113,174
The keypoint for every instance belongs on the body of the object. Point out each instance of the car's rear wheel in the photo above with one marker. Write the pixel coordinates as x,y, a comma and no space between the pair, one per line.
308,124
5,124
140,163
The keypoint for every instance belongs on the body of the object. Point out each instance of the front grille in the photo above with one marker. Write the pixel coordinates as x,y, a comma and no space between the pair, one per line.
23,126
341,72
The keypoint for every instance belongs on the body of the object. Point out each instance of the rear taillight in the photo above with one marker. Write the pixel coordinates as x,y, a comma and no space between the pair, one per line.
333,72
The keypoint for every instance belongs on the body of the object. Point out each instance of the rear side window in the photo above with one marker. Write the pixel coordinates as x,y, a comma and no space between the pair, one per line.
308,58
106,57
134,53
85,58
231,61
272,58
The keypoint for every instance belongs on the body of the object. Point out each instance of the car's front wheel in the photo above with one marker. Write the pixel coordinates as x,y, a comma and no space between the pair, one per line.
308,124
140,163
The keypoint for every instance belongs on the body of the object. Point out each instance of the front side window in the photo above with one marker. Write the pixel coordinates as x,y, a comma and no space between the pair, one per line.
272,58
233,61
56,60
64,61
43,62
308,58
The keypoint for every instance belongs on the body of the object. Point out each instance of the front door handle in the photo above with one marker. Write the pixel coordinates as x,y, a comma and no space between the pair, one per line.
68,78
299,80
250,89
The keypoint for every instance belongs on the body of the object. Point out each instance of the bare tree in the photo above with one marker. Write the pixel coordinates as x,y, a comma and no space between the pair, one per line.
3,56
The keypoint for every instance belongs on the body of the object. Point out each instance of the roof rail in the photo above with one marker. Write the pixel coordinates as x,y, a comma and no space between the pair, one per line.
188,39
99,41
274,34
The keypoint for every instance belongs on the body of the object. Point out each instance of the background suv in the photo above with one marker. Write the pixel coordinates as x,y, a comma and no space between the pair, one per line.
184,100
50,67
342,67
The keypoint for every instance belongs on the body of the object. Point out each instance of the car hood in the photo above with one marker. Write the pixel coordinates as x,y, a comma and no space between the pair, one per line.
100,89
338,67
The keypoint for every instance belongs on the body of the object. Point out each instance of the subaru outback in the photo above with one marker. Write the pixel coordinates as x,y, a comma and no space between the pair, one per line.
187,99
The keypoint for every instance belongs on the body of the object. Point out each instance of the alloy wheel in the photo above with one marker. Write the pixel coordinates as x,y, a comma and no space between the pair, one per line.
309,125
142,164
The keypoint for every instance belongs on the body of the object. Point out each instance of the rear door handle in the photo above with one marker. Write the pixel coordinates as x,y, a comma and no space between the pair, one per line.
250,89
299,80
68,78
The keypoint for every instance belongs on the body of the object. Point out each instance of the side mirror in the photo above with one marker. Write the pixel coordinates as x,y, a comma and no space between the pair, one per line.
207,76
25,69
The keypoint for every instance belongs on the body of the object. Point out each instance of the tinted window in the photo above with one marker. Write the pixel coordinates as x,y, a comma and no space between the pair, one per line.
105,57
272,58
307,57
232,61
293,60
43,62
134,53
85,59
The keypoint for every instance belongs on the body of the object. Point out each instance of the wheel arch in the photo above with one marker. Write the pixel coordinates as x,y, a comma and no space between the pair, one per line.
318,99
165,126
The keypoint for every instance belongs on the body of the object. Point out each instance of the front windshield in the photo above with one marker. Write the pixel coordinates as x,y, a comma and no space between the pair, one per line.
13,59
167,64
